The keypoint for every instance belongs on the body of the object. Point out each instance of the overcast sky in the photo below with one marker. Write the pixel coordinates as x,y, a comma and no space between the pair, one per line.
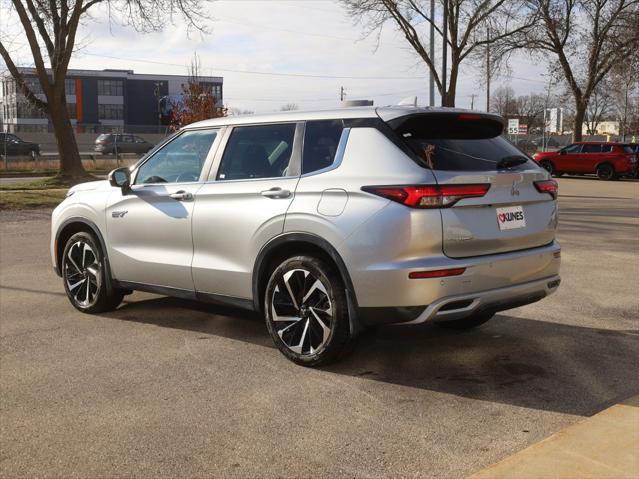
299,37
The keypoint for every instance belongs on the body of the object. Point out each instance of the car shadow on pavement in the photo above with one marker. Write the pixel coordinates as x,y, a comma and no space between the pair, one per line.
518,361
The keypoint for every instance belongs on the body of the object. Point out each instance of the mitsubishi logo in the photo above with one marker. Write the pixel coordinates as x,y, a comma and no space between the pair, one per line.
514,191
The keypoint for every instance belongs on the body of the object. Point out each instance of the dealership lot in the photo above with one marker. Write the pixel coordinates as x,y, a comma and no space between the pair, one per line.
166,387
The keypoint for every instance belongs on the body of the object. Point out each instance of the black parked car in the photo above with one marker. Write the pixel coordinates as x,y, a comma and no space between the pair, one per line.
11,145
107,143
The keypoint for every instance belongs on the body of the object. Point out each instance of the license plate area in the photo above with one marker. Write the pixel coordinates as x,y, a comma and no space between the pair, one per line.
511,217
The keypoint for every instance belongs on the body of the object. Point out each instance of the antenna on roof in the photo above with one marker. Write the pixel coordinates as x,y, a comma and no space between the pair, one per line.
408,101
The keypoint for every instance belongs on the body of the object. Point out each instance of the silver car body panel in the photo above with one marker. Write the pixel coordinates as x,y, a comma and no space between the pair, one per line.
210,244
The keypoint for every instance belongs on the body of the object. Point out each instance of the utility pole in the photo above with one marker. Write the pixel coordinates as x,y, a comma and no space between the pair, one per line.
488,69
432,51
341,93
445,55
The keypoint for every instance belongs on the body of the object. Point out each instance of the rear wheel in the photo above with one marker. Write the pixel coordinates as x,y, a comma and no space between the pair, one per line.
548,166
466,323
307,312
606,172
84,276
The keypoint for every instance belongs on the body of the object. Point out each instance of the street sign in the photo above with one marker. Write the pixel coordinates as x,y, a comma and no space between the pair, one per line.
523,130
513,126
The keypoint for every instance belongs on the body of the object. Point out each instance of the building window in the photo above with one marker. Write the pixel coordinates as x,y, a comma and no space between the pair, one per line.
27,110
69,86
34,85
110,112
110,88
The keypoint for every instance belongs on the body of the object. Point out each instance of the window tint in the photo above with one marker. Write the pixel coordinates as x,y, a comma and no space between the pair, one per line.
629,148
321,139
606,148
180,160
464,155
587,148
572,149
262,151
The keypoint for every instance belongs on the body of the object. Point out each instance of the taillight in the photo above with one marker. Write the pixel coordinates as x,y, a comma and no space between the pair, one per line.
429,196
548,186
440,273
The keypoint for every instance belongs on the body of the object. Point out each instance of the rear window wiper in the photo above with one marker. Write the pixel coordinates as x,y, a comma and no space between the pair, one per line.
511,161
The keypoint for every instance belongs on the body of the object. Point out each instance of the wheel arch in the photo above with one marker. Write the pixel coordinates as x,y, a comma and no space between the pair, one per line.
74,225
289,244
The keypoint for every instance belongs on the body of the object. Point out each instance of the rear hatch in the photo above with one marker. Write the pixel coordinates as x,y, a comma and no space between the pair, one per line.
463,148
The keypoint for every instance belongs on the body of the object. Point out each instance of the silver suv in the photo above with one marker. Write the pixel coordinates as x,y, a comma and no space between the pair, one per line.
325,222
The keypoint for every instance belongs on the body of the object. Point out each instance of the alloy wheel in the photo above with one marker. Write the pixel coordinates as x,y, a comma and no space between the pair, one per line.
301,311
82,274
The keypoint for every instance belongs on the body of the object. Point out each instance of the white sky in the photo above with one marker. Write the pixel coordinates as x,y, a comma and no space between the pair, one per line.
308,37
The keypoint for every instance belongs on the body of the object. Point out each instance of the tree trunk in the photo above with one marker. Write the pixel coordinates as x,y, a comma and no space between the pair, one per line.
70,162
578,123
449,98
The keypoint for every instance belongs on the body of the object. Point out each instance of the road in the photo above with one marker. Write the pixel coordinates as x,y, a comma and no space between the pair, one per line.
170,388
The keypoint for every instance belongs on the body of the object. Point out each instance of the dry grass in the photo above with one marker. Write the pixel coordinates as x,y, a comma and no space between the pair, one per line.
48,166
19,200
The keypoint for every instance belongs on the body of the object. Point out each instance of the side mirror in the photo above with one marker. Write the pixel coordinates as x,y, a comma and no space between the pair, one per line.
121,178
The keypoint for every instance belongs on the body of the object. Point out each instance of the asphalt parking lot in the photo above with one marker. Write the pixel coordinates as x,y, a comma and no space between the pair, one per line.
165,387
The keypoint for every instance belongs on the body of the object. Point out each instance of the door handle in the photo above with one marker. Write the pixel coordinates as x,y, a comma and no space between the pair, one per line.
276,193
182,195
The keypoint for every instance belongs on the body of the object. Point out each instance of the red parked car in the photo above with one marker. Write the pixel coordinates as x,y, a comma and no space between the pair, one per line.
607,160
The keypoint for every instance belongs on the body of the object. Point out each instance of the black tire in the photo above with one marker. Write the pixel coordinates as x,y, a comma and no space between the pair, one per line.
318,330
606,172
84,276
466,323
548,166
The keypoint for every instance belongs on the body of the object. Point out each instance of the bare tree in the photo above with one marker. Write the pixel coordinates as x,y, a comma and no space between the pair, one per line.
50,28
471,25
503,102
586,38
599,107
624,83
289,107
530,110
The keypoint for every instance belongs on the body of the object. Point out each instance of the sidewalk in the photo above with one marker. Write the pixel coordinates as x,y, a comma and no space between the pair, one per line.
605,445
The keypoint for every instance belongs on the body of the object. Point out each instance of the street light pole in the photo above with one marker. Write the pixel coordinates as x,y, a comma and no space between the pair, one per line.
432,51
445,55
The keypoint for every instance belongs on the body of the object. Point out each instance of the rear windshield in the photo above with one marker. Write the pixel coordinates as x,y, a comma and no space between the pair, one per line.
103,136
454,143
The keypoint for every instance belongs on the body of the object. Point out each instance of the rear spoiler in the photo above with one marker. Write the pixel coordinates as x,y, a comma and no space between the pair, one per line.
448,125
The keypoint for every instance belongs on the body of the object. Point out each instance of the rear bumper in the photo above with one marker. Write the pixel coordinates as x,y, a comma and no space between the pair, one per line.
493,300
387,285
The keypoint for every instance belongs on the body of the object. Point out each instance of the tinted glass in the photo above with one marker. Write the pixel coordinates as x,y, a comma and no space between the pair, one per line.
179,161
606,148
321,139
591,149
465,155
572,149
258,152
629,149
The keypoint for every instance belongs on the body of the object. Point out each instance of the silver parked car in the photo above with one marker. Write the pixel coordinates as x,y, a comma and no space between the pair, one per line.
325,222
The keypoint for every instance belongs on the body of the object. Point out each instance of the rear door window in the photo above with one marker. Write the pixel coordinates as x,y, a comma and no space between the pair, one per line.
262,151
321,139
587,148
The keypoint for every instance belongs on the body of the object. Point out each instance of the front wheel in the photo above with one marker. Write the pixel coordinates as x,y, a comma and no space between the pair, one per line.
466,323
606,172
84,274
307,312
